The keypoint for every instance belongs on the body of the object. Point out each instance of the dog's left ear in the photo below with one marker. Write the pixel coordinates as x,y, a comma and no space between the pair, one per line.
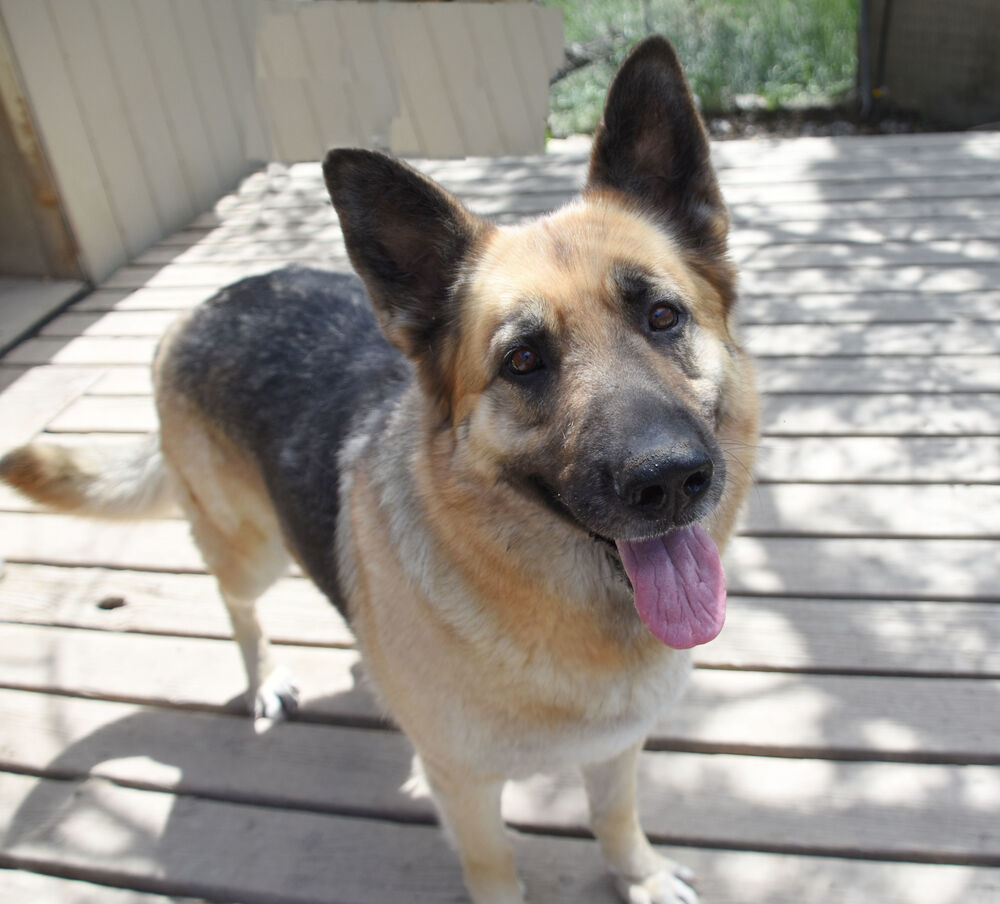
652,147
407,238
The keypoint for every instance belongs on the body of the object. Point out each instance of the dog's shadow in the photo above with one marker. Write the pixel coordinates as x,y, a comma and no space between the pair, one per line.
146,788
194,803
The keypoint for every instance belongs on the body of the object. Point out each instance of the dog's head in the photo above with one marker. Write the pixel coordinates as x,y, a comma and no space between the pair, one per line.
586,358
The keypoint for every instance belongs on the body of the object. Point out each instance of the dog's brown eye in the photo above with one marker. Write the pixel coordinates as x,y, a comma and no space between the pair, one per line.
664,317
523,360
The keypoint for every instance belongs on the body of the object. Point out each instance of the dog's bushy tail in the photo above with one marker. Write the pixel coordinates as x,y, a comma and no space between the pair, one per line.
103,482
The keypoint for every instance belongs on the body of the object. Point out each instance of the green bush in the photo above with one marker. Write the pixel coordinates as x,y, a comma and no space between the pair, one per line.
781,51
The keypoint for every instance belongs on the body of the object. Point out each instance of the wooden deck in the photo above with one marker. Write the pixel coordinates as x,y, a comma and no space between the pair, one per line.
841,740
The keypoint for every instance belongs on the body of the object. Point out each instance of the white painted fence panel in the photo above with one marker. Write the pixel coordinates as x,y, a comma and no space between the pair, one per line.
421,79
150,110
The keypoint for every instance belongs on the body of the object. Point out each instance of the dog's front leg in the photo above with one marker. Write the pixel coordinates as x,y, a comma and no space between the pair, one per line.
470,811
641,874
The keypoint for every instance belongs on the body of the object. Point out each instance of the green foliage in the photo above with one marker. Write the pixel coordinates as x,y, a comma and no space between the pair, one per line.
782,51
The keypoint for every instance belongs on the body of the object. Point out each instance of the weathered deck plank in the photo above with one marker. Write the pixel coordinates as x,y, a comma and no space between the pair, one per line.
774,634
900,636
919,568
819,805
845,710
300,857
796,414
926,720
764,340
940,374
38,888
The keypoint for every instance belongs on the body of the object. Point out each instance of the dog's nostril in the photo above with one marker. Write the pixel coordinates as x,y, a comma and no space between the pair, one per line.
697,483
652,497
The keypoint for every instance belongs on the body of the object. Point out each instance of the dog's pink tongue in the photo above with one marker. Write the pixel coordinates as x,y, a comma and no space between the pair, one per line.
679,584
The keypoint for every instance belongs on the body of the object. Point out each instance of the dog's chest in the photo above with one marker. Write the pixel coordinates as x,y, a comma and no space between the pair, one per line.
546,721
617,719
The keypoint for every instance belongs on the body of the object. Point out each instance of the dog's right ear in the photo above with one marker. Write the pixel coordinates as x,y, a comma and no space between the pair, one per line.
407,238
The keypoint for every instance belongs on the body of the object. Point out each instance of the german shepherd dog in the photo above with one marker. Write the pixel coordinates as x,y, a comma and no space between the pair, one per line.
510,463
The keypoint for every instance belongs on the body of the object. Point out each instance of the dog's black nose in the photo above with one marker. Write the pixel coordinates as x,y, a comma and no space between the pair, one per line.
665,483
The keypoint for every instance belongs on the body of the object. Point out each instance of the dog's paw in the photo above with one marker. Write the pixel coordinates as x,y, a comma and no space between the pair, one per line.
275,700
670,885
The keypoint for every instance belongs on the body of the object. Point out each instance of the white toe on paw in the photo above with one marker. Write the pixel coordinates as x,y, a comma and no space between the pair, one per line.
668,886
277,698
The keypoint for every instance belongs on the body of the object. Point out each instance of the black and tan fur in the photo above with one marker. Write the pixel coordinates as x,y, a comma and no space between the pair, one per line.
458,501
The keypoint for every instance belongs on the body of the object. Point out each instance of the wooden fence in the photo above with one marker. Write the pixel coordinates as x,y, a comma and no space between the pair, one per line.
150,110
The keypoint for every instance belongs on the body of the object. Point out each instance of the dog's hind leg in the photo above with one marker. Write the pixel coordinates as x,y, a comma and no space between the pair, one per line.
236,529
246,561
642,875
271,687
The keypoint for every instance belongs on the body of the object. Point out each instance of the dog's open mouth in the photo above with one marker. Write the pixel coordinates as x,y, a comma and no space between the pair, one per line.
677,578
679,585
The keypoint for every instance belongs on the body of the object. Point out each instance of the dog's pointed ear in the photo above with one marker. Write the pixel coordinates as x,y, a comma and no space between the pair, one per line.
652,147
407,238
